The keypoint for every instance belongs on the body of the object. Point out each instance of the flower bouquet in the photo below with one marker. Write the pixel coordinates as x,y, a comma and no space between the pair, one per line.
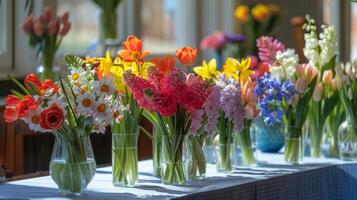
320,49
285,92
125,131
45,35
171,96
71,112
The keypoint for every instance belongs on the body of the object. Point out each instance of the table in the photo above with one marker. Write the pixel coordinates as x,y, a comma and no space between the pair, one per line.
316,179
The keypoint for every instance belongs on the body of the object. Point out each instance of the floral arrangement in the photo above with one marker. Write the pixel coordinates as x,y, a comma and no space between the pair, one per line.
45,35
258,20
72,109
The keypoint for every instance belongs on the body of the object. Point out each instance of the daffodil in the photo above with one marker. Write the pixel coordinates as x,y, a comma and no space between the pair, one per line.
105,64
238,70
207,71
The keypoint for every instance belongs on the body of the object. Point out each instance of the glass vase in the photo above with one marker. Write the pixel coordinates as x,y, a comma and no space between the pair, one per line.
156,157
173,171
195,157
270,139
347,136
225,157
246,144
72,164
294,147
51,72
125,159
209,150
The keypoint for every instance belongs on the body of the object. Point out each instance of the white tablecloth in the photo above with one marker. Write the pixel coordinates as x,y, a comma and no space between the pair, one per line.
150,187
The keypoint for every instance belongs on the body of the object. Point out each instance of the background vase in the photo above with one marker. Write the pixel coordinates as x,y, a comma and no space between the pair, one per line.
347,135
72,164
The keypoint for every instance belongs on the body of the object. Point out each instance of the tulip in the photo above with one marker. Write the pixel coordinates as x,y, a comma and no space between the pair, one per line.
327,77
300,70
28,24
64,18
47,14
260,12
53,27
310,72
301,84
249,111
242,13
65,28
338,83
187,55
38,27
317,94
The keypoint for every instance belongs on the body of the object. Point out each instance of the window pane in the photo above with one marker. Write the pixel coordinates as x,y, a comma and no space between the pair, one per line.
2,28
84,31
327,7
158,25
353,30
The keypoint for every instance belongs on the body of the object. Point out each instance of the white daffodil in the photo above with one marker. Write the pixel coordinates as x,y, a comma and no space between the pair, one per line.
104,86
102,110
33,120
85,104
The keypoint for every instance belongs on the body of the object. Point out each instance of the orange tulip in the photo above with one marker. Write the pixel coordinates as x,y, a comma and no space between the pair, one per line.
165,64
132,50
187,55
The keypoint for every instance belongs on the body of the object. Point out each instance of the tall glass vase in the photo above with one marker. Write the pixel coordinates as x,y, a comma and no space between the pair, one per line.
347,136
195,157
294,147
72,164
209,150
47,69
124,155
173,169
225,157
156,148
247,147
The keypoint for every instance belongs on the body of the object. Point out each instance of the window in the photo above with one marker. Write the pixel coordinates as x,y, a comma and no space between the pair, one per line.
353,30
6,35
84,29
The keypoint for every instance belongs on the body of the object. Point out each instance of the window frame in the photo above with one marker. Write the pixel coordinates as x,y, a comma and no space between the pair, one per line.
6,27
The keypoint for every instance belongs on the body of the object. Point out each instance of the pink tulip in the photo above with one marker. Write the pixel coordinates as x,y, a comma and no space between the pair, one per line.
47,14
317,94
310,72
300,70
301,84
327,77
53,27
65,28
38,28
27,25
64,18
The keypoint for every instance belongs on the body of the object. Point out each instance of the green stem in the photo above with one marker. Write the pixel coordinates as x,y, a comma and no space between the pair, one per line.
245,144
293,145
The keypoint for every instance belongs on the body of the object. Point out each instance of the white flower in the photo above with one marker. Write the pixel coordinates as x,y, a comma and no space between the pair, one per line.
78,77
327,43
284,67
33,120
102,110
85,104
104,86
99,126
57,101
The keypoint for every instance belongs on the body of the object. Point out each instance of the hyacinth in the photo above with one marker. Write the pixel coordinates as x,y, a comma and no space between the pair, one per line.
268,48
231,104
272,94
327,43
196,121
212,109
164,96
285,64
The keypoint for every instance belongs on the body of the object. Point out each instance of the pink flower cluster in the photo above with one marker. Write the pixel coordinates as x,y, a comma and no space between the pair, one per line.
47,24
268,47
166,94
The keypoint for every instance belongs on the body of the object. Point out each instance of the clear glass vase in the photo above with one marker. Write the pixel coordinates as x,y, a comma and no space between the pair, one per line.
72,164
156,148
195,157
225,157
209,150
125,159
173,171
294,145
51,72
245,143
347,136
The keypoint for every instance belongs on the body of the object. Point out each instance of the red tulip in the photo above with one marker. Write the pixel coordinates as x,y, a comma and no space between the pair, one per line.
53,27
65,28
28,24
38,27
47,14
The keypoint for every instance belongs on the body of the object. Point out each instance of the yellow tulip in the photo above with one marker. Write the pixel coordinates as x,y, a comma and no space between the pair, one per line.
207,71
260,12
242,13
238,70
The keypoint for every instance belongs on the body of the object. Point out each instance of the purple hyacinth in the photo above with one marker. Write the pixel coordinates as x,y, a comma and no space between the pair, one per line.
235,38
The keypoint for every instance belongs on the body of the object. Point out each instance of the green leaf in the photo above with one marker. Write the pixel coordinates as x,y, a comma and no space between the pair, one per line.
16,93
329,105
72,60
19,85
330,65
302,107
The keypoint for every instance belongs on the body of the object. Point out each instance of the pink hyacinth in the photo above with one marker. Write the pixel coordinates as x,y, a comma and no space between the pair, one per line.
212,109
215,41
268,47
196,119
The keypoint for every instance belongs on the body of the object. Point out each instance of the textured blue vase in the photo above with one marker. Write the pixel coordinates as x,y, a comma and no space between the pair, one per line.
269,138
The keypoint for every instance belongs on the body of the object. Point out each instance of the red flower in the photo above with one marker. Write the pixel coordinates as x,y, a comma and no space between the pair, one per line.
51,118
48,85
164,65
132,50
26,104
33,79
187,55
260,70
17,108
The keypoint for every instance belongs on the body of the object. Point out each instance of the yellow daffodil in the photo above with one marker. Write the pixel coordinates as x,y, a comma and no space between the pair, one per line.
238,70
260,12
207,71
242,13
105,64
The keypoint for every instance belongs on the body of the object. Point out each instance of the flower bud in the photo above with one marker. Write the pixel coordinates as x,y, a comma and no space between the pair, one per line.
28,24
53,27
64,18
38,28
301,85
317,94
65,28
300,70
310,72
47,14
327,78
